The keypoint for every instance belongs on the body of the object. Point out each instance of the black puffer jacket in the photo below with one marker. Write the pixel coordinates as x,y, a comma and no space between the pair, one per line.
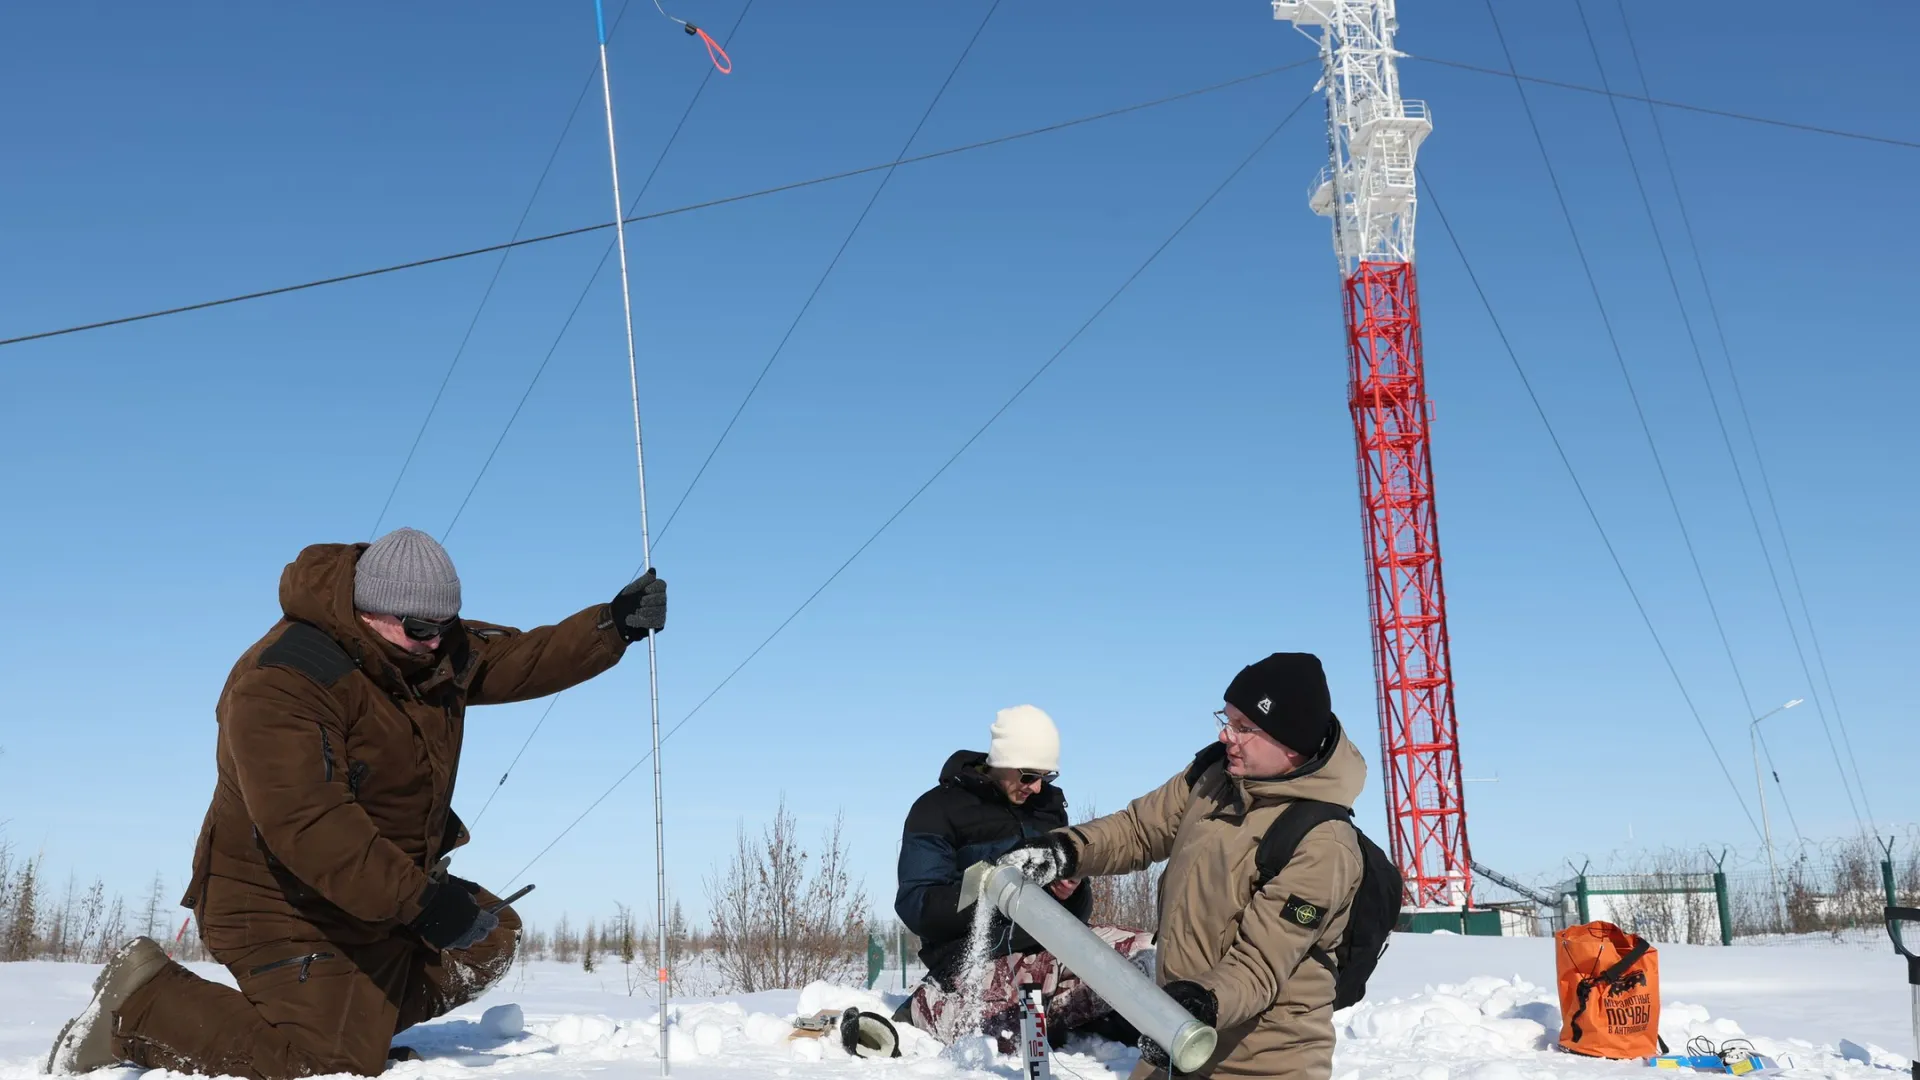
965,820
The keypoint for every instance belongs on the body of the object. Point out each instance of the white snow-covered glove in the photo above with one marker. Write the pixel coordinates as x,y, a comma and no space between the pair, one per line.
1042,860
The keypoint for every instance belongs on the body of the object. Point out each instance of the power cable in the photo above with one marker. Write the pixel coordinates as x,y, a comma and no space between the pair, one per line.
1751,118
586,289
1620,360
1432,197
937,473
821,282
1726,352
487,294
708,204
1700,363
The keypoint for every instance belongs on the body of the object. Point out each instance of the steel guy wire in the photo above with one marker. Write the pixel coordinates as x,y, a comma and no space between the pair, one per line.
1713,398
1620,360
1509,73
1432,197
670,517
821,282
941,471
651,173
835,261
487,293
707,204
1746,418
1686,321
587,288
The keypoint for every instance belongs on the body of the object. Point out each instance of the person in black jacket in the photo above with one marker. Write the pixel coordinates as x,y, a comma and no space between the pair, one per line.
984,805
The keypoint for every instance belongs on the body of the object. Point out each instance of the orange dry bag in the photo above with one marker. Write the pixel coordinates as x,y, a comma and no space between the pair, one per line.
1609,992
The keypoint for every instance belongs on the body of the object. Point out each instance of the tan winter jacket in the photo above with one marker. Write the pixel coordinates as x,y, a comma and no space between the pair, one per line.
1250,949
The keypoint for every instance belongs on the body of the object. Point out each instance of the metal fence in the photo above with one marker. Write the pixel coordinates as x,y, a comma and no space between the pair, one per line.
1839,888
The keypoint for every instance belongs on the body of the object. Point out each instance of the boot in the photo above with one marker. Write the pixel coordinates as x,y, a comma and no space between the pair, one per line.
86,1042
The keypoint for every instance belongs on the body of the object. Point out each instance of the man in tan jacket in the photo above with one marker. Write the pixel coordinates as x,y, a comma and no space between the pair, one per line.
1254,962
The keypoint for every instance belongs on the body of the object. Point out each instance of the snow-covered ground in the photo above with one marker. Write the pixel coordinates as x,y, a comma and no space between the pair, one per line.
1440,1008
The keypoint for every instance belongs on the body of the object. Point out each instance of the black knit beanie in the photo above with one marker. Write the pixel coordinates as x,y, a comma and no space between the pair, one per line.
1286,696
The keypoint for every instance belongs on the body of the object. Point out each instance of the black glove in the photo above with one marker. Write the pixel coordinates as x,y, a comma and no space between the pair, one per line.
450,918
1043,859
1198,1001
641,607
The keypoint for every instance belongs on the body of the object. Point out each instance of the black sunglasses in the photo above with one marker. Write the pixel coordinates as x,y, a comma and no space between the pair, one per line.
1029,776
420,629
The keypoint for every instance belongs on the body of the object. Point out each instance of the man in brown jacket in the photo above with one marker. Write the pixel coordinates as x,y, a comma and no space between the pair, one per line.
1251,962
320,878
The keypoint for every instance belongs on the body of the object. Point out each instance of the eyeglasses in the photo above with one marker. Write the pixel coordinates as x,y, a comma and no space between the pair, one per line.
1225,724
1029,777
420,629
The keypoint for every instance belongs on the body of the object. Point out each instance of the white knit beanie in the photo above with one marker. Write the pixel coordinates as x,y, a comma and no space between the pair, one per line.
1024,738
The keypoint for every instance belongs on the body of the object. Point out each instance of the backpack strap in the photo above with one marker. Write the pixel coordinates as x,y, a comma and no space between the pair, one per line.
1584,989
1612,975
1282,839
1292,826
312,652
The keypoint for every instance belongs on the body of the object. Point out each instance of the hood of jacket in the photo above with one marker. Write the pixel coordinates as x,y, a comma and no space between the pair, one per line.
967,770
317,588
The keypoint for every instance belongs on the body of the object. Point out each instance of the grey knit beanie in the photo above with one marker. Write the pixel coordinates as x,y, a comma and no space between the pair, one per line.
406,572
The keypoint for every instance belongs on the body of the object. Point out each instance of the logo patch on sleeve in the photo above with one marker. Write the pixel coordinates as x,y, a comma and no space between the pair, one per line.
1301,913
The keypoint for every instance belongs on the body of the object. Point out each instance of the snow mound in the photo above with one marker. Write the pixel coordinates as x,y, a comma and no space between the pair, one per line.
1484,1016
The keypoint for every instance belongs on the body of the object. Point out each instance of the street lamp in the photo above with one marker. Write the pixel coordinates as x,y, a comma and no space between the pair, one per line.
1753,740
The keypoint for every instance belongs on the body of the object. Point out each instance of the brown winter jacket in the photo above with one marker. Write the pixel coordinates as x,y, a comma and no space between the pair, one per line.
1276,1005
336,774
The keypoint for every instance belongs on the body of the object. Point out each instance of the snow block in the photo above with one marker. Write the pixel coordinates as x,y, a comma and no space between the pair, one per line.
504,1021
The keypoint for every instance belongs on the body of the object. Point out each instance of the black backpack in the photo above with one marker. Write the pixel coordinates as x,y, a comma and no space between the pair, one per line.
1376,906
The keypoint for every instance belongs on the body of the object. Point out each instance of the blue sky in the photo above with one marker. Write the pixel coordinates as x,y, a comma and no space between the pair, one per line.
1173,499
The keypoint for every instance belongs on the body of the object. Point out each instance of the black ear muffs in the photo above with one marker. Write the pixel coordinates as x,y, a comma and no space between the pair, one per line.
868,1035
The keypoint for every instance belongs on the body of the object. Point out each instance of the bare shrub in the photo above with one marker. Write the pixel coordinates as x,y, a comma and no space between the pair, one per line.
1127,900
776,924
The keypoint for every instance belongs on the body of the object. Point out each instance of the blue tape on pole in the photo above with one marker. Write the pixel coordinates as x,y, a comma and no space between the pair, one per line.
600,21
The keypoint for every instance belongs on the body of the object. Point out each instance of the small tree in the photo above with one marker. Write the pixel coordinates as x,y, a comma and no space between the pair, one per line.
678,936
589,945
60,924
22,939
151,910
92,911
113,932
625,944
565,946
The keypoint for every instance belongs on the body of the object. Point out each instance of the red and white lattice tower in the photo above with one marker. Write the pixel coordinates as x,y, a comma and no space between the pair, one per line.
1368,191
